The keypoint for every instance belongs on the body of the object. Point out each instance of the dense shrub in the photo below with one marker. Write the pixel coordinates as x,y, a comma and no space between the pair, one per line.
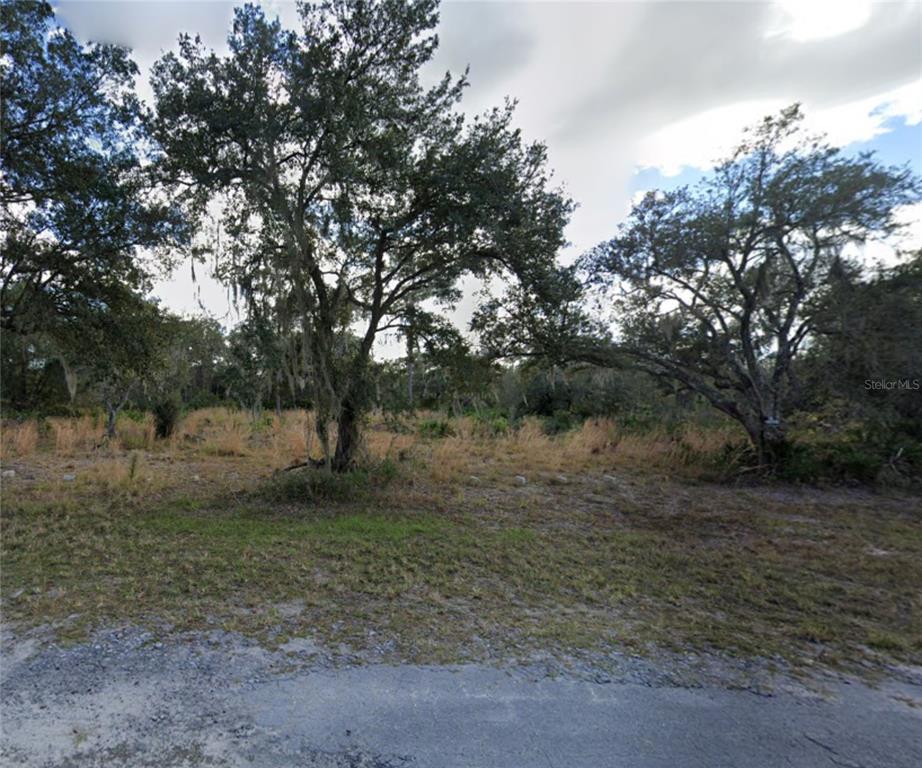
560,421
832,462
435,428
316,484
489,424
166,416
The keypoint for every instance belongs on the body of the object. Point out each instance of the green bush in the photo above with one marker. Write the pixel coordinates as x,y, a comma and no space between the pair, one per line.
433,428
491,424
846,459
559,422
832,462
316,484
204,400
133,414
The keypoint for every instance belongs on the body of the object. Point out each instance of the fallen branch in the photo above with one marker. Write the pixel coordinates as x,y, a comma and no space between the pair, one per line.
312,463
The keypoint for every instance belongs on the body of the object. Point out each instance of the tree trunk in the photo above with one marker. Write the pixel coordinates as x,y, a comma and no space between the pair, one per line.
347,438
411,363
410,373
769,438
111,416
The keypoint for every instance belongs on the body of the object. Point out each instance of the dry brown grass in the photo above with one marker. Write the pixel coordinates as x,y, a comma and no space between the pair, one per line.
136,435
214,431
598,445
471,446
229,440
189,426
19,439
381,445
72,435
124,472
688,448
290,437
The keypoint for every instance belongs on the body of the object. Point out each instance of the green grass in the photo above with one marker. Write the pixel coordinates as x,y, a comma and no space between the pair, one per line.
828,578
249,527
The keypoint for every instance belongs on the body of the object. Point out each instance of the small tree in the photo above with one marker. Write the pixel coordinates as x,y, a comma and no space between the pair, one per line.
543,318
252,361
193,361
350,194
120,348
719,285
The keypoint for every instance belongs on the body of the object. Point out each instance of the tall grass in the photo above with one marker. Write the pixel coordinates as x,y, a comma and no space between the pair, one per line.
134,435
19,439
289,440
598,445
72,435
466,446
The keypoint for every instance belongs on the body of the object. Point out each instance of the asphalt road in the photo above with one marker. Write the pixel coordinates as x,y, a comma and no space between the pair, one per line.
125,700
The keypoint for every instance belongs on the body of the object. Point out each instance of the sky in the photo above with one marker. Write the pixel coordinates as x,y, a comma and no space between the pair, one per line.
628,96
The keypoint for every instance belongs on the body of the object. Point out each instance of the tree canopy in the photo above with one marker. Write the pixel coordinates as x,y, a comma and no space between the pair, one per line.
349,192
77,201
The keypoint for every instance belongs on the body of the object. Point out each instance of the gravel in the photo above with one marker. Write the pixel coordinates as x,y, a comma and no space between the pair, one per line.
132,697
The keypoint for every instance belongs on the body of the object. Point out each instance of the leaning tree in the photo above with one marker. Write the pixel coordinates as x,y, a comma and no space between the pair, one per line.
351,197
719,287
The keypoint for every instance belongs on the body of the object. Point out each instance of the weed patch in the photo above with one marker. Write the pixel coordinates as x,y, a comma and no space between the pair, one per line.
433,428
310,485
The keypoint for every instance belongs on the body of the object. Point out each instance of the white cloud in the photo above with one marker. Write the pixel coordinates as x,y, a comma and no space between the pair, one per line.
862,120
699,140
804,20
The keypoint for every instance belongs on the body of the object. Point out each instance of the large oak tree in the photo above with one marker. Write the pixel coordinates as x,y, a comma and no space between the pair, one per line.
351,196
719,287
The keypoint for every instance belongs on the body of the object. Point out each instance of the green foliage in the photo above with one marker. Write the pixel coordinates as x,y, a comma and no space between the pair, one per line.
559,421
133,414
133,465
852,457
194,363
435,428
542,316
253,526
72,145
32,376
312,485
133,440
494,426
833,461
253,362
589,391
866,363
